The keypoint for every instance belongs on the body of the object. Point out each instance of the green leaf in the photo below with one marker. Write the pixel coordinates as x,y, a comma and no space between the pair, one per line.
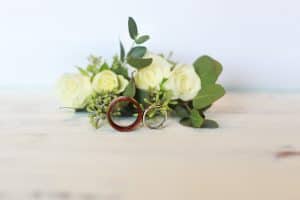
82,71
137,52
208,95
79,110
121,71
122,52
181,111
130,89
139,63
205,108
208,123
92,69
186,122
118,67
103,67
141,95
196,119
142,39
208,70
132,27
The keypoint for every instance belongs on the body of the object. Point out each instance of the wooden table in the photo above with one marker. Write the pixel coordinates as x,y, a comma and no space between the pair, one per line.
47,153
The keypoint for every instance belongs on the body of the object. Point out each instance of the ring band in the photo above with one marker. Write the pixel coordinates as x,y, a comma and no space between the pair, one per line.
158,126
132,126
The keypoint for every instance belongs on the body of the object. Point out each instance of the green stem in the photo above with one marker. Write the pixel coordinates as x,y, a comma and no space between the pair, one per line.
187,106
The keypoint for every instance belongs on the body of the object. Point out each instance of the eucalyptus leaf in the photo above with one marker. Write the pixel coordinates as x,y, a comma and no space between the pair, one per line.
186,122
132,27
208,95
196,118
208,123
139,63
80,110
181,111
142,39
208,69
137,52
205,108
130,90
122,52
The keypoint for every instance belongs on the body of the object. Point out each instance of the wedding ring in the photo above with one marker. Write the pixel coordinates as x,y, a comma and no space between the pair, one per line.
158,125
131,126
133,74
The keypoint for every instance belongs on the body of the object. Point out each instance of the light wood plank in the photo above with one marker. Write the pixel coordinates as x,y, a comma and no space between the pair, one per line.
47,153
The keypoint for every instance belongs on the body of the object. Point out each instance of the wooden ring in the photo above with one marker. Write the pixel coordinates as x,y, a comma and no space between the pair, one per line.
130,127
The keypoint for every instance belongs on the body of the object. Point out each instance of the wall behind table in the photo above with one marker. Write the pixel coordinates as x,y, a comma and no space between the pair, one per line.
257,41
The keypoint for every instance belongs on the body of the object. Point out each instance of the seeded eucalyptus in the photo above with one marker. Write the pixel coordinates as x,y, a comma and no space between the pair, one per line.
97,107
96,65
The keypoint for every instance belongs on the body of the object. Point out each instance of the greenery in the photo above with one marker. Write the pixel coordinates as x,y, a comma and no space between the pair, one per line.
208,95
98,103
130,90
191,113
119,68
160,98
135,56
208,70
95,65
97,108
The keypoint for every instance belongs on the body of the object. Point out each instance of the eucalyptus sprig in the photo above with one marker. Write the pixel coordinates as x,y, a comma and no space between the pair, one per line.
192,113
135,55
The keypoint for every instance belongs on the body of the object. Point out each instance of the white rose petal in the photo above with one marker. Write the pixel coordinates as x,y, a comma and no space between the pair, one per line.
183,82
105,81
123,82
73,89
152,75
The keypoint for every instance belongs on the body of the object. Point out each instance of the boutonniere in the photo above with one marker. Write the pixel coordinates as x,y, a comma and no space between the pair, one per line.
156,87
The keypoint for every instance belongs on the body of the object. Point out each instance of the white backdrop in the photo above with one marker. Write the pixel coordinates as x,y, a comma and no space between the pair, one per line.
258,41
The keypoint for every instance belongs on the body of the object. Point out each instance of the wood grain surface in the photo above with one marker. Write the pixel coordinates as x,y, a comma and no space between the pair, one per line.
48,153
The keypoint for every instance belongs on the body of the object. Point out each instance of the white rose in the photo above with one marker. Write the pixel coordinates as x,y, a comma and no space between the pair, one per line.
73,89
152,75
184,82
108,81
123,82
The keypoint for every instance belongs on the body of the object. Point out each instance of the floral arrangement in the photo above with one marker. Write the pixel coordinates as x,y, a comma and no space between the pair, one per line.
183,90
